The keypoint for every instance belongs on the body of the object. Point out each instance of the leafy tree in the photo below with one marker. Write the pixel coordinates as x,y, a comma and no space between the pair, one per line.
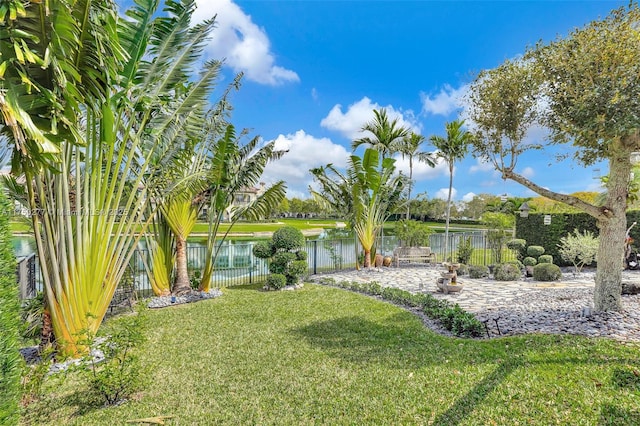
579,248
498,225
412,233
479,204
588,84
451,148
386,135
410,147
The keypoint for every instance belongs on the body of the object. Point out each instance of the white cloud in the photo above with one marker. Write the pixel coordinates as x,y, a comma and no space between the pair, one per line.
314,94
360,113
468,196
243,45
305,152
481,166
528,172
421,170
445,102
443,193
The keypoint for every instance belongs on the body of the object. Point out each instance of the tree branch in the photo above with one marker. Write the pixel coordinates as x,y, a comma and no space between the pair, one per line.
595,211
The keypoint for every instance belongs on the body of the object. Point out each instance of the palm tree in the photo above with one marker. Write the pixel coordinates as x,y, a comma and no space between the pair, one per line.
86,118
366,195
385,134
232,167
410,148
451,148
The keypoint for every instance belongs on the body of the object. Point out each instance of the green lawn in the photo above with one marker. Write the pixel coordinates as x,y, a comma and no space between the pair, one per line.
322,355
250,227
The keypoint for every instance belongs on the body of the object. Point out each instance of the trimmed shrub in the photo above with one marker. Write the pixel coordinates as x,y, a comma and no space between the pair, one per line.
545,258
535,251
518,245
288,238
517,263
276,281
280,262
10,360
296,269
507,272
264,249
478,271
529,261
546,272
451,315
301,255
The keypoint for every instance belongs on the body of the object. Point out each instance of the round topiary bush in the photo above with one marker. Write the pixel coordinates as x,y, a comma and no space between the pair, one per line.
529,261
535,251
288,238
507,272
517,263
276,281
518,245
545,258
297,269
264,249
301,255
478,271
280,262
546,272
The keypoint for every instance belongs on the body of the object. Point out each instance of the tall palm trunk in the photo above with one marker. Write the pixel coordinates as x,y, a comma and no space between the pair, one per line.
446,227
182,284
410,185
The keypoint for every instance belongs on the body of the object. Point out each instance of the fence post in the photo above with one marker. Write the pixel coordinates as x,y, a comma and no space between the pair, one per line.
484,243
315,257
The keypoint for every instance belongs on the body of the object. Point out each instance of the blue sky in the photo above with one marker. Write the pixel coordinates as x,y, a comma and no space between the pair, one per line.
314,71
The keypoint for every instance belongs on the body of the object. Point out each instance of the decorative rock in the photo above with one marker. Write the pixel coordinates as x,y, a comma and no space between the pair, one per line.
630,287
194,296
523,306
386,261
378,260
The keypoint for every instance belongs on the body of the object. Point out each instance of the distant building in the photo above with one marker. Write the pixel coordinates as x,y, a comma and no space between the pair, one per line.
241,198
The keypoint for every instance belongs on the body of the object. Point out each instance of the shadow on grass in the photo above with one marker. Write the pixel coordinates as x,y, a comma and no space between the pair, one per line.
399,345
360,341
611,415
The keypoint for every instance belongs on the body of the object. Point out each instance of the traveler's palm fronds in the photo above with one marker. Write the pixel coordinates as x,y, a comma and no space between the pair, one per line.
235,167
96,99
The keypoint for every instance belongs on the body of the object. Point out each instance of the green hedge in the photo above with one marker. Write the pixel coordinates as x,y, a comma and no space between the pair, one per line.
10,360
536,233
451,315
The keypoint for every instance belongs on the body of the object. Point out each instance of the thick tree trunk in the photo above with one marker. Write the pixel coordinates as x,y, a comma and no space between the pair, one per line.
182,284
47,338
607,294
367,258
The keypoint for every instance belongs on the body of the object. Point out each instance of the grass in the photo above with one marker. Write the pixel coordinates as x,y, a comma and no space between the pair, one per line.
322,355
251,227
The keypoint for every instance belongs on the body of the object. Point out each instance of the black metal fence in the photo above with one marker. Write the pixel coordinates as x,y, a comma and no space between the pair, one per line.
236,264
26,276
